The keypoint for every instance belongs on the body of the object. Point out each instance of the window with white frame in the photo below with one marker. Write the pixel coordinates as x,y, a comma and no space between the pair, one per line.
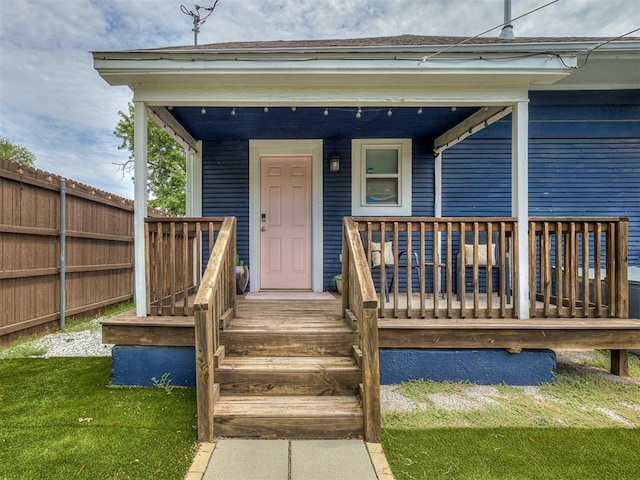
381,177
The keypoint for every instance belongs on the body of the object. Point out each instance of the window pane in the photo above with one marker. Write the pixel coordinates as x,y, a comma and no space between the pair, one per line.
381,161
382,190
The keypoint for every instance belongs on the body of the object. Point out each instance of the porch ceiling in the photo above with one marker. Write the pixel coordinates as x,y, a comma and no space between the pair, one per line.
310,122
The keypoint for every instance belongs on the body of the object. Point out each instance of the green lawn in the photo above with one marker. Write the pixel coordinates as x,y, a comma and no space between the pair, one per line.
584,426
59,419
513,453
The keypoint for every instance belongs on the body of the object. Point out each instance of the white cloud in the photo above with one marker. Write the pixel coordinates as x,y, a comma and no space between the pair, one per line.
53,102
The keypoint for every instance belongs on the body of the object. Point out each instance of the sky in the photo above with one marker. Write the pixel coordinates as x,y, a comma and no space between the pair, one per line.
54,103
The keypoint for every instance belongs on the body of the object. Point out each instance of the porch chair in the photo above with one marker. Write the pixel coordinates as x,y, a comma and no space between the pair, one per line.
377,257
483,260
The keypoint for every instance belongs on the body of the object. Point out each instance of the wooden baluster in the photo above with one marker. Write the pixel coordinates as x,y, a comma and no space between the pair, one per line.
585,269
545,268
573,269
172,266
532,268
160,268
187,268
409,269
567,264
435,284
512,247
597,266
147,268
476,272
396,271
211,238
422,270
489,268
449,268
462,274
559,271
611,269
198,278
504,266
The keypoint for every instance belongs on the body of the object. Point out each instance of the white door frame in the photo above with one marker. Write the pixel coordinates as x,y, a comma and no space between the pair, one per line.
284,148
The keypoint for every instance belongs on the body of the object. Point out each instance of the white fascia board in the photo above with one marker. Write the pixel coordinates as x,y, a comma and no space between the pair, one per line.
207,68
333,96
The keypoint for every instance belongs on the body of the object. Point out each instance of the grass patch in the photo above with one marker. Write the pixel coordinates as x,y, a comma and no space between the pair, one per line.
602,359
513,453
578,399
60,420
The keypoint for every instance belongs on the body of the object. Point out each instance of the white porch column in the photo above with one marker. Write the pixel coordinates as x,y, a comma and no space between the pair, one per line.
140,206
520,201
194,182
437,187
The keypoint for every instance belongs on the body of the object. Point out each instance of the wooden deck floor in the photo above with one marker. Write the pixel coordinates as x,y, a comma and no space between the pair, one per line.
554,333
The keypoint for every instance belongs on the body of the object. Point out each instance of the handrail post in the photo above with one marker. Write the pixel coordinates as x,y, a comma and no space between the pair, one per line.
360,298
215,296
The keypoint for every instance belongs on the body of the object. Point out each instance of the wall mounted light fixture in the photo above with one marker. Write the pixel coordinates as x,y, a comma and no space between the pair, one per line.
334,162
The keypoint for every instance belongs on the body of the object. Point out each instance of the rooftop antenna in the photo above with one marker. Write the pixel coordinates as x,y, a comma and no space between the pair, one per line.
507,29
198,19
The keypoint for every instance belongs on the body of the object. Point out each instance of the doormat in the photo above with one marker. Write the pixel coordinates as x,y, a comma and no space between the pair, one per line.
289,296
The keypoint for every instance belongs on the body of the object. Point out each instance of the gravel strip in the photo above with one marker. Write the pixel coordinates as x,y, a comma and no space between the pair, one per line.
85,343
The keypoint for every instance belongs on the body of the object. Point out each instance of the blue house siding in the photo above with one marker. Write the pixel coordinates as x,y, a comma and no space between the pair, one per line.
225,186
584,160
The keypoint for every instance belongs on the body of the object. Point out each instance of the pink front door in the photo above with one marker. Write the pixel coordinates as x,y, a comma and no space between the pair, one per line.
285,223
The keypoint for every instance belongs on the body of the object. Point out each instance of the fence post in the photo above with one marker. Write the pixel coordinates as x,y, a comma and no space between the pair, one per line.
63,246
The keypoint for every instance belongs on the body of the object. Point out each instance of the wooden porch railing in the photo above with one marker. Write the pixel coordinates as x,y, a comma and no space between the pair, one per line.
215,299
578,267
173,261
444,253
359,299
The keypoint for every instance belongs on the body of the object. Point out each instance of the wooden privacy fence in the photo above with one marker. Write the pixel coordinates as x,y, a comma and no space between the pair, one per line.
173,261
96,263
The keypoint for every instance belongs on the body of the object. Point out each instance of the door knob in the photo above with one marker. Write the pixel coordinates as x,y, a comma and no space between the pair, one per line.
264,229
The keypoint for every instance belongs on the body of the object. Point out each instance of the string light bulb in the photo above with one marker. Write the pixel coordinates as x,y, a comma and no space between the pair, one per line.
294,108
233,112
266,109
326,112
419,110
359,113
389,113
203,111
453,109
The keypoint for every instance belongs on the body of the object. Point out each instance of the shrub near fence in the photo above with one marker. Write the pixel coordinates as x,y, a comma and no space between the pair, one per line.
98,234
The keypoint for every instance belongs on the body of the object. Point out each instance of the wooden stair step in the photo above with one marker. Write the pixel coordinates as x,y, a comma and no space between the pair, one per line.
289,343
287,323
318,375
263,416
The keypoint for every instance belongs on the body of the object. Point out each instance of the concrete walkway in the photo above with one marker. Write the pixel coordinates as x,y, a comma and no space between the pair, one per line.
234,459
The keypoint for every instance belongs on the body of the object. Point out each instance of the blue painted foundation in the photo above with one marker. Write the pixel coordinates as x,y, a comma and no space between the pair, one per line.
137,365
484,367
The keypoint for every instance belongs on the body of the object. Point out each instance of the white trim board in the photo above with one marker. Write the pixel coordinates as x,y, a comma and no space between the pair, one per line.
310,148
